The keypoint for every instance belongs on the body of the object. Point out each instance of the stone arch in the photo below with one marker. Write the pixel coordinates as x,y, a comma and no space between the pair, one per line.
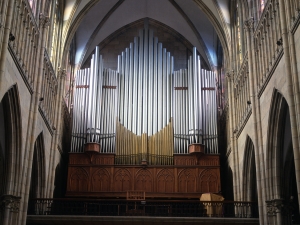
280,165
249,173
11,149
276,116
38,176
229,185
73,24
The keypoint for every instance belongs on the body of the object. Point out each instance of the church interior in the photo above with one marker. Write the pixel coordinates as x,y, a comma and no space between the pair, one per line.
149,112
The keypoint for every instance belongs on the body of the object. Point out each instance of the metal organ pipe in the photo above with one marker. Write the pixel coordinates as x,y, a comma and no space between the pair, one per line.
128,109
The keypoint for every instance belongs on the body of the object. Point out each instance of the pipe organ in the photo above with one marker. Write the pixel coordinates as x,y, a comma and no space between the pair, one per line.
145,112
144,127
156,127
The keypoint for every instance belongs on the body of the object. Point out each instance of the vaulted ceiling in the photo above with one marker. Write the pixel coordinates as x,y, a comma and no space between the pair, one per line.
202,22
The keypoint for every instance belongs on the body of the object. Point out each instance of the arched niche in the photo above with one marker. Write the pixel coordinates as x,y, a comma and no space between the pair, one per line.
37,184
10,142
280,171
249,173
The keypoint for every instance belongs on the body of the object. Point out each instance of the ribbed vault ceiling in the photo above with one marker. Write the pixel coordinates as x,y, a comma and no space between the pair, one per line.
94,20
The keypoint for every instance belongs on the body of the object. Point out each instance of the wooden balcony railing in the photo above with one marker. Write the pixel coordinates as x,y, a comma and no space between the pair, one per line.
157,208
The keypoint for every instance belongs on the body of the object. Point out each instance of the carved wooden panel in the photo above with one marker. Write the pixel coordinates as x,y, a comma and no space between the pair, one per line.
101,180
209,181
79,180
91,158
122,180
144,180
78,158
103,159
187,181
185,160
165,181
98,178
209,160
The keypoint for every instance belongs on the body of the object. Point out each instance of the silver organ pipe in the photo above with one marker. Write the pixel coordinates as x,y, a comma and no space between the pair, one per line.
143,97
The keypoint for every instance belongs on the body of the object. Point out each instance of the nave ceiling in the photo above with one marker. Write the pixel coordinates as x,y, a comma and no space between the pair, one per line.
201,22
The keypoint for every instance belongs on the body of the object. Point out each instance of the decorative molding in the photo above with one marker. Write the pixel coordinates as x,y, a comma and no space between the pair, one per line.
270,73
47,122
96,31
20,69
193,27
263,16
229,150
226,31
10,202
249,24
30,13
44,21
74,8
49,63
295,25
229,75
218,27
62,73
240,129
242,68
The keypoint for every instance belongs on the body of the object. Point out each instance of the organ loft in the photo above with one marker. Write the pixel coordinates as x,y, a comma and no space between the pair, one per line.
144,127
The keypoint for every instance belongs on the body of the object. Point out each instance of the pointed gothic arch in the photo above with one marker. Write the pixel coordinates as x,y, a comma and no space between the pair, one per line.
280,166
11,149
75,20
277,113
38,177
249,173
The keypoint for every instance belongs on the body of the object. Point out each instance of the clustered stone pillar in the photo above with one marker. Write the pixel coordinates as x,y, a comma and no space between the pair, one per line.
57,132
9,209
259,159
5,27
229,77
29,146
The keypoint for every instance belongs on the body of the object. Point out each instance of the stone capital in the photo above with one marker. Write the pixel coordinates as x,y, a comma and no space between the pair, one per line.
10,202
229,75
270,208
249,24
44,21
278,205
62,73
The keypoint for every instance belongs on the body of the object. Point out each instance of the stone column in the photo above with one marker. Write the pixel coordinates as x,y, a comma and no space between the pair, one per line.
258,149
293,93
5,27
278,206
271,213
33,114
57,133
9,209
231,111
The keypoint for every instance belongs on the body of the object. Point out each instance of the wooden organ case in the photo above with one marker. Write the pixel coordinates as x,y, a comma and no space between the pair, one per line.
144,127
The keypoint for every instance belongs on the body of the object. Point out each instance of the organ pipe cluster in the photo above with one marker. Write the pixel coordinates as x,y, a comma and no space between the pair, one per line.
145,110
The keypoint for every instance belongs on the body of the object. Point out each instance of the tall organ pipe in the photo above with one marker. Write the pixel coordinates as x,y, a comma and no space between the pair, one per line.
143,95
